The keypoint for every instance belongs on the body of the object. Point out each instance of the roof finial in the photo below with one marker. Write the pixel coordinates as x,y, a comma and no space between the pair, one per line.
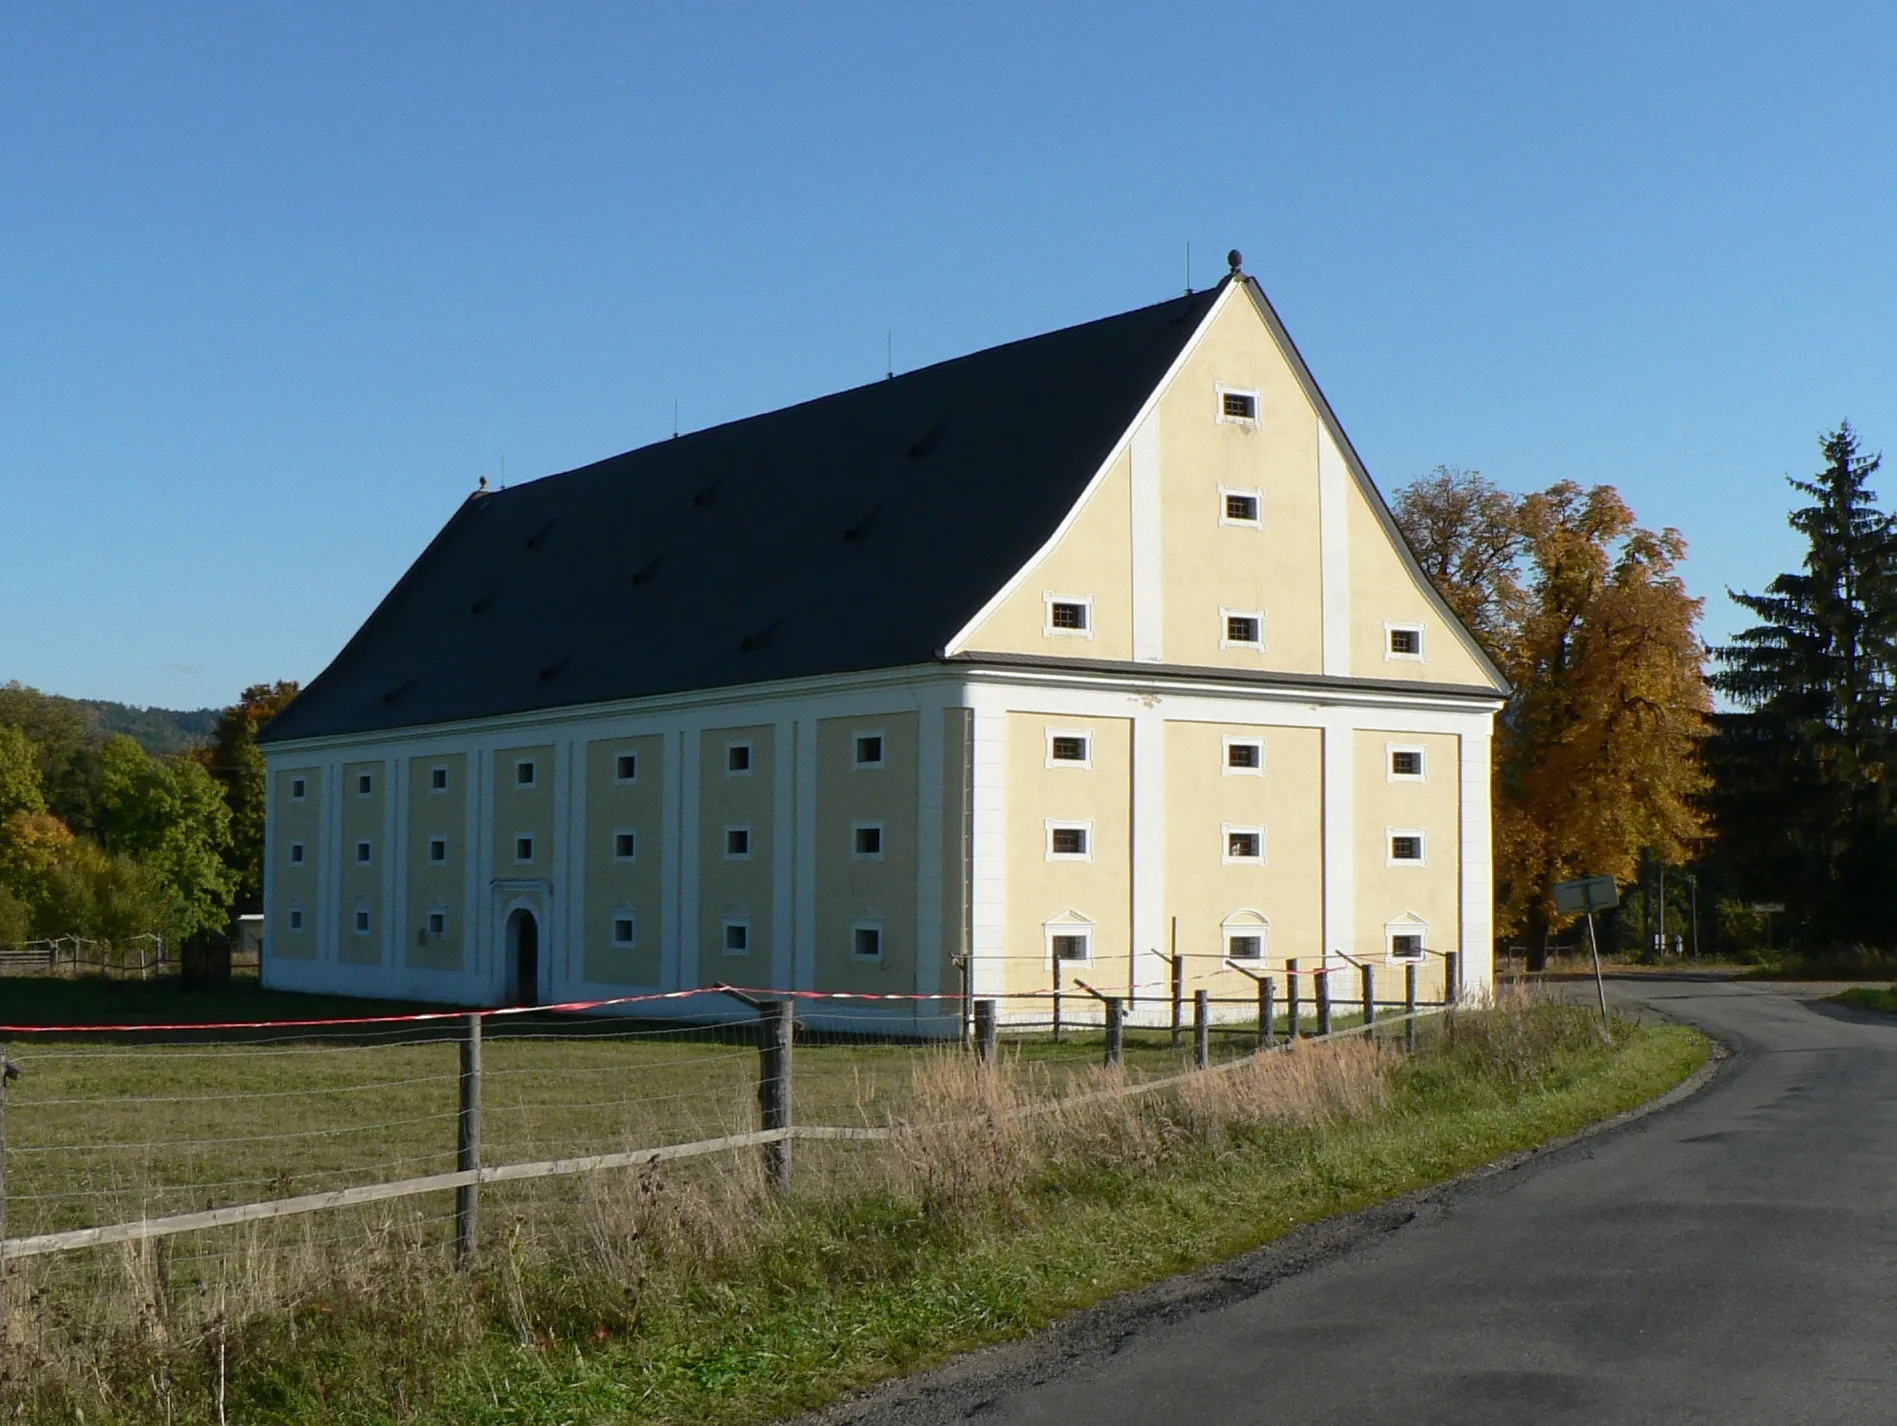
481,489
1237,260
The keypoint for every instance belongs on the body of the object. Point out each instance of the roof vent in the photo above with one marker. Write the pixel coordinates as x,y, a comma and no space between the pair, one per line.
707,495
553,668
480,605
862,526
926,442
1235,260
533,540
752,643
644,572
397,691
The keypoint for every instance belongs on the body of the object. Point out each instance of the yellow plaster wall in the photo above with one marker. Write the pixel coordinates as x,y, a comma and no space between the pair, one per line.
727,887
613,807
524,811
1039,890
433,814
1384,893
1201,890
1093,558
362,885
848,889
295,822
957,820
1383,589
1206,565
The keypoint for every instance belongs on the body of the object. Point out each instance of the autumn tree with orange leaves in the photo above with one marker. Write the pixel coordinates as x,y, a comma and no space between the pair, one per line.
1597,755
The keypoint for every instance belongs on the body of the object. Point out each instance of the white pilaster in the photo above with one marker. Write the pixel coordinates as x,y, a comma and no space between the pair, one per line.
928,834
671,862
1147,506
689,801
395,928
1149,839
1477,941
805,962
1340,853
1333,532
784,790
989,854
569,866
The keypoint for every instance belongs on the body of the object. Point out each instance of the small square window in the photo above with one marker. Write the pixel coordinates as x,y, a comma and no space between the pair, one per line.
625,930
869,749
437,924
438,779
362,920
1244,844
1406,763
1071,947
625,846
1244,948
296,918
737,844
362,853
1406,848
1406,946
737,937
1405,641
525,773
296,854
866,942
625,767
1067,748
1238,406
1244,755
1239,507
1069,616
737,759
868,841
523,849
1243,629
1068,840
365,784
438,851
298,789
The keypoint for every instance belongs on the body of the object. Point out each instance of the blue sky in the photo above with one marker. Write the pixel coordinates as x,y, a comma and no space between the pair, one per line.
277,284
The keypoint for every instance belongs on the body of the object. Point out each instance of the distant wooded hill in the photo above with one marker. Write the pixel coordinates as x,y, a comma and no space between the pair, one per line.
160,731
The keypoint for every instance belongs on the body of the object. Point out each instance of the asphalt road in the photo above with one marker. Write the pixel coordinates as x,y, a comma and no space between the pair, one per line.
1732,1258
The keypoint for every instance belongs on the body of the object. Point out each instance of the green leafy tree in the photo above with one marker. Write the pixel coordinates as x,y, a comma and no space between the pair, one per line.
1804,795
172,816
21,788
236,759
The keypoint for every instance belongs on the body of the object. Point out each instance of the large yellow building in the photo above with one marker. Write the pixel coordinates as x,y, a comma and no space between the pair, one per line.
1038,663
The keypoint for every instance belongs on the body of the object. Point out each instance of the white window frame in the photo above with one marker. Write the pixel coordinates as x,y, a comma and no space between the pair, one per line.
437,779
618,778
296,922
296,854
1226,831
1250,422
528,838
299,789
1390,655
1256,495
363,922
1390,858
1063,824
1390,750
731,856
1231,740
1246,922
750,757
1049,599
725,936
1068,923
533,772
437,911
631,917
856,854
434,860
1225,629
363,790
869,923
1083,763
857,759
1408,924
365,851
631,856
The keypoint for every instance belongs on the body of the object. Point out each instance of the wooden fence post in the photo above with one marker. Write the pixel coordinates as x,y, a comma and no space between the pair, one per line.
1178,995
1324,997
467,1153
1116,1031
1201,1029
1409,1008
1264,1012
985,1032
1291,997
1452,977
1369,1000
8,1072
777,1030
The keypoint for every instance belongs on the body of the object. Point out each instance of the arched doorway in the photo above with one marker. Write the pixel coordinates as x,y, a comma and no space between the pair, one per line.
523,956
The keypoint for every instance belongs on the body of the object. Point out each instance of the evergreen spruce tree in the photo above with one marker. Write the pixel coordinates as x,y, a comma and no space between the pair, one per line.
1803,797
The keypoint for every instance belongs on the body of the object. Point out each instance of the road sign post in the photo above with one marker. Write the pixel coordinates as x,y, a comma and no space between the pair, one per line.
1584,897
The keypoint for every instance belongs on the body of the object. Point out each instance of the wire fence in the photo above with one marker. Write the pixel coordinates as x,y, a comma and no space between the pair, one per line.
134,958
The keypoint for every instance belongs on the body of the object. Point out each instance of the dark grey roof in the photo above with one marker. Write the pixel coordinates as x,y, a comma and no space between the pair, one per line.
858,531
